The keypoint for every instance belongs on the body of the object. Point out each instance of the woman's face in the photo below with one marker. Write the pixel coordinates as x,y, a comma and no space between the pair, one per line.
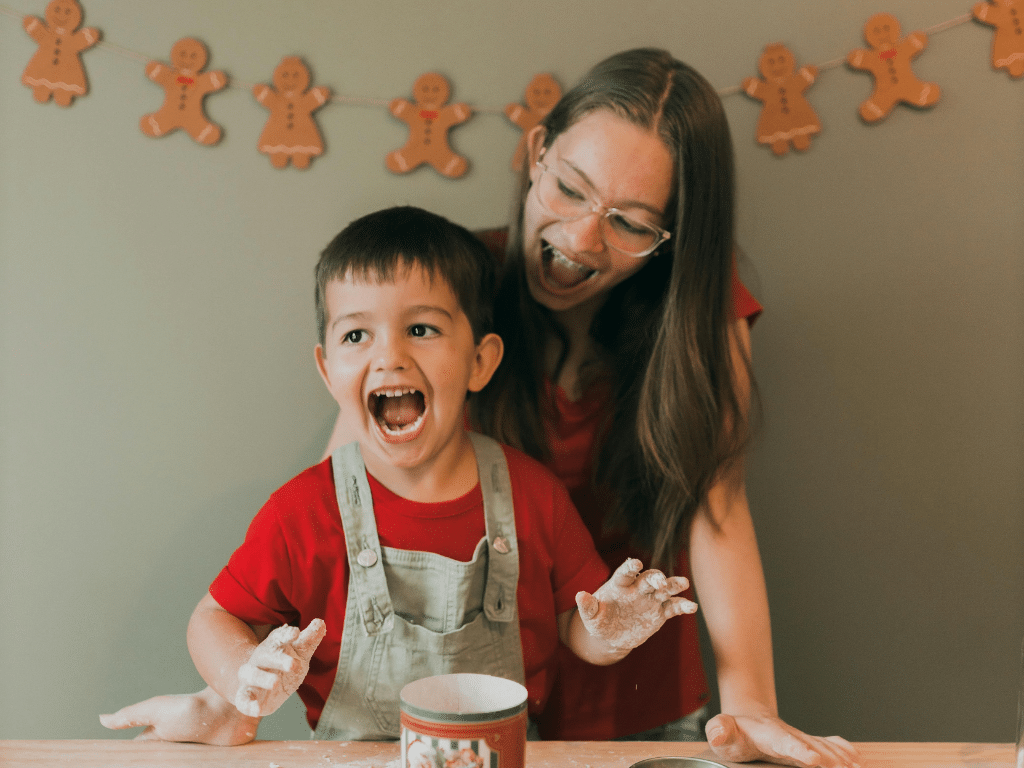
617,164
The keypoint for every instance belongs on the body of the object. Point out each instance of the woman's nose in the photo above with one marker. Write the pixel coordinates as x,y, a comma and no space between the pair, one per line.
584,234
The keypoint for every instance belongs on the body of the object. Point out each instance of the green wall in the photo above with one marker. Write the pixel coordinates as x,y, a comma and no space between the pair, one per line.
156,334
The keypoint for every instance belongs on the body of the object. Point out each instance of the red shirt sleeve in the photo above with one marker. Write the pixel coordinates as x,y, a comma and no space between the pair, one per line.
255,584
744,305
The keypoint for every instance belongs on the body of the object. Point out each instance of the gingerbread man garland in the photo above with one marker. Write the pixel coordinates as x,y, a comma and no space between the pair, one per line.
542,94
787,117
429,121
185,86
290,132
889,62
56,68
1007,16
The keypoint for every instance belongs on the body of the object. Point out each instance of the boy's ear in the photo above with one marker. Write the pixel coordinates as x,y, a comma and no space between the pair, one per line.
321,363
488,356
535,144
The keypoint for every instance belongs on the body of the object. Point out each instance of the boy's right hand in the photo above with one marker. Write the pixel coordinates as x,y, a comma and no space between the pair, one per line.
204,717
276,668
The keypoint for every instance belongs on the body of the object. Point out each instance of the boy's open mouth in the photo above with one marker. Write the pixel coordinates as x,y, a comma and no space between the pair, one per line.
398,411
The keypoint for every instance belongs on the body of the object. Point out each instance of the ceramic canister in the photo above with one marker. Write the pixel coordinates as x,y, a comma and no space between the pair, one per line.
463,721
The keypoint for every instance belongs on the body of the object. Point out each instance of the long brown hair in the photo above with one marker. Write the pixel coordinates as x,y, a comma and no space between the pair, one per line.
677,419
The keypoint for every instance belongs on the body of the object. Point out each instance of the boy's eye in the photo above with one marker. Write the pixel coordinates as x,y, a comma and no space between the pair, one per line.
354,337
422,331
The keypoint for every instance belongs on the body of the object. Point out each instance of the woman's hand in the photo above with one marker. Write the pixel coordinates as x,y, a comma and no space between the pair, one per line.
741,738
276,668
205,717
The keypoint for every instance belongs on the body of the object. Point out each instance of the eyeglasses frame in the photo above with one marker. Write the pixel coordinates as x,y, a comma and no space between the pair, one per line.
604,211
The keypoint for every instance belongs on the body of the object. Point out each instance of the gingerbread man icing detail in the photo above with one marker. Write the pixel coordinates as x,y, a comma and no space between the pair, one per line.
290,132
787,117
185,86
542,94
56,68
1007,16
429,121
889,62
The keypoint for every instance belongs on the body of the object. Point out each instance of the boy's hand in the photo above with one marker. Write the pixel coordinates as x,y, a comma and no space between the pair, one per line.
632,605
203,717
276,668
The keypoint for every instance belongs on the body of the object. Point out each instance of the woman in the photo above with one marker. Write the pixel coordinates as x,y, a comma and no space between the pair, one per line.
627,371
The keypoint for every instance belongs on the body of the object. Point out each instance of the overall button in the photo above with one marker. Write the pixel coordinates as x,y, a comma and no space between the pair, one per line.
367,558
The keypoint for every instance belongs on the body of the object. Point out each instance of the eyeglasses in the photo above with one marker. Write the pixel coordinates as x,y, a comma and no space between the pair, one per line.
569,200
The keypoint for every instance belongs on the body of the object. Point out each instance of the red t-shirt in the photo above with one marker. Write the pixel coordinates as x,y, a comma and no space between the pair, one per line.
293,566
663,679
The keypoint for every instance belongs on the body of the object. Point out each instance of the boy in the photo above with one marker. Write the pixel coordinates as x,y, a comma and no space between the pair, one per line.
419,548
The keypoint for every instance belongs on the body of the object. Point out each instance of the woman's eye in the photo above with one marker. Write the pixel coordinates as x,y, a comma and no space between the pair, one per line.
354,337
628,226
421,331
569,192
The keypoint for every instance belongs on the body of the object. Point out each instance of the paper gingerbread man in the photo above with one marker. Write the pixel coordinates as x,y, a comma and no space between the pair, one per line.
889,62
542,94
787,117
290,132
185,86
429,122
1007,16
56,68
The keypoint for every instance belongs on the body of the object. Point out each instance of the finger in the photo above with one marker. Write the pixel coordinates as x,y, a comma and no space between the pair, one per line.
254,677
842,754
676,606
588,605
271,658
310,638
677,584
653,581
149,734
721,732
625,574
284,635
247,701
119,720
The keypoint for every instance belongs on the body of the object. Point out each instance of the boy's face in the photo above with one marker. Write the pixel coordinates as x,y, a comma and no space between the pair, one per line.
399,358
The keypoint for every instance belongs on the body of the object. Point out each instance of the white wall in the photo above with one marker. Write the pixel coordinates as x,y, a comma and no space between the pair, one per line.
156,335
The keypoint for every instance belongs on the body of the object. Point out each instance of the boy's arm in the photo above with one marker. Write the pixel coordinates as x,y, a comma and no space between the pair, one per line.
625,611
256,676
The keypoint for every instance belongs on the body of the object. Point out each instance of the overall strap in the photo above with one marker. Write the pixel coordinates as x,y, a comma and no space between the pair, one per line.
365,563
500,521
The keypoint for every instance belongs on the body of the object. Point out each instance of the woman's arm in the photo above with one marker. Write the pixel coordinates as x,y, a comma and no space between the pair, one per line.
727,575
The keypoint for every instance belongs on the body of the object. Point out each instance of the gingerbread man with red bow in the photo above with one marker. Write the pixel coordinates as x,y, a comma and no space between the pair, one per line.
185,86
1007,16
429,121
56,68
889,62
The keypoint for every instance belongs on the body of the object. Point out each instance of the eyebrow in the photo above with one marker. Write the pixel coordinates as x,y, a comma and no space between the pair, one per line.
621,203
414,310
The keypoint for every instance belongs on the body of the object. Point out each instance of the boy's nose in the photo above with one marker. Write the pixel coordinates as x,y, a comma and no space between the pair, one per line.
392,356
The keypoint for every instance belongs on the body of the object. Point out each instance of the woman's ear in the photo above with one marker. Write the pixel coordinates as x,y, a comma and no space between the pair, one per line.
488,356
535,144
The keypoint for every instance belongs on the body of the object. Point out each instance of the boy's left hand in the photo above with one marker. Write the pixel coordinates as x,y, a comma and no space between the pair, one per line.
632,605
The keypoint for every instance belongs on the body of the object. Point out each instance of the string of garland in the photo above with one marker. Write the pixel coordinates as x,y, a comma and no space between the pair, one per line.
291,134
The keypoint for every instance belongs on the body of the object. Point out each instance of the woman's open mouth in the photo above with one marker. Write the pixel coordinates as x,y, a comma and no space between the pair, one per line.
561,272
398,412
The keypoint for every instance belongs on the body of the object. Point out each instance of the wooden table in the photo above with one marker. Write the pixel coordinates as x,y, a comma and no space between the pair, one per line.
114,753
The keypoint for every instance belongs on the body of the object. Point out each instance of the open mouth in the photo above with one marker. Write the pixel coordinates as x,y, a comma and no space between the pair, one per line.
560,271
398,411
